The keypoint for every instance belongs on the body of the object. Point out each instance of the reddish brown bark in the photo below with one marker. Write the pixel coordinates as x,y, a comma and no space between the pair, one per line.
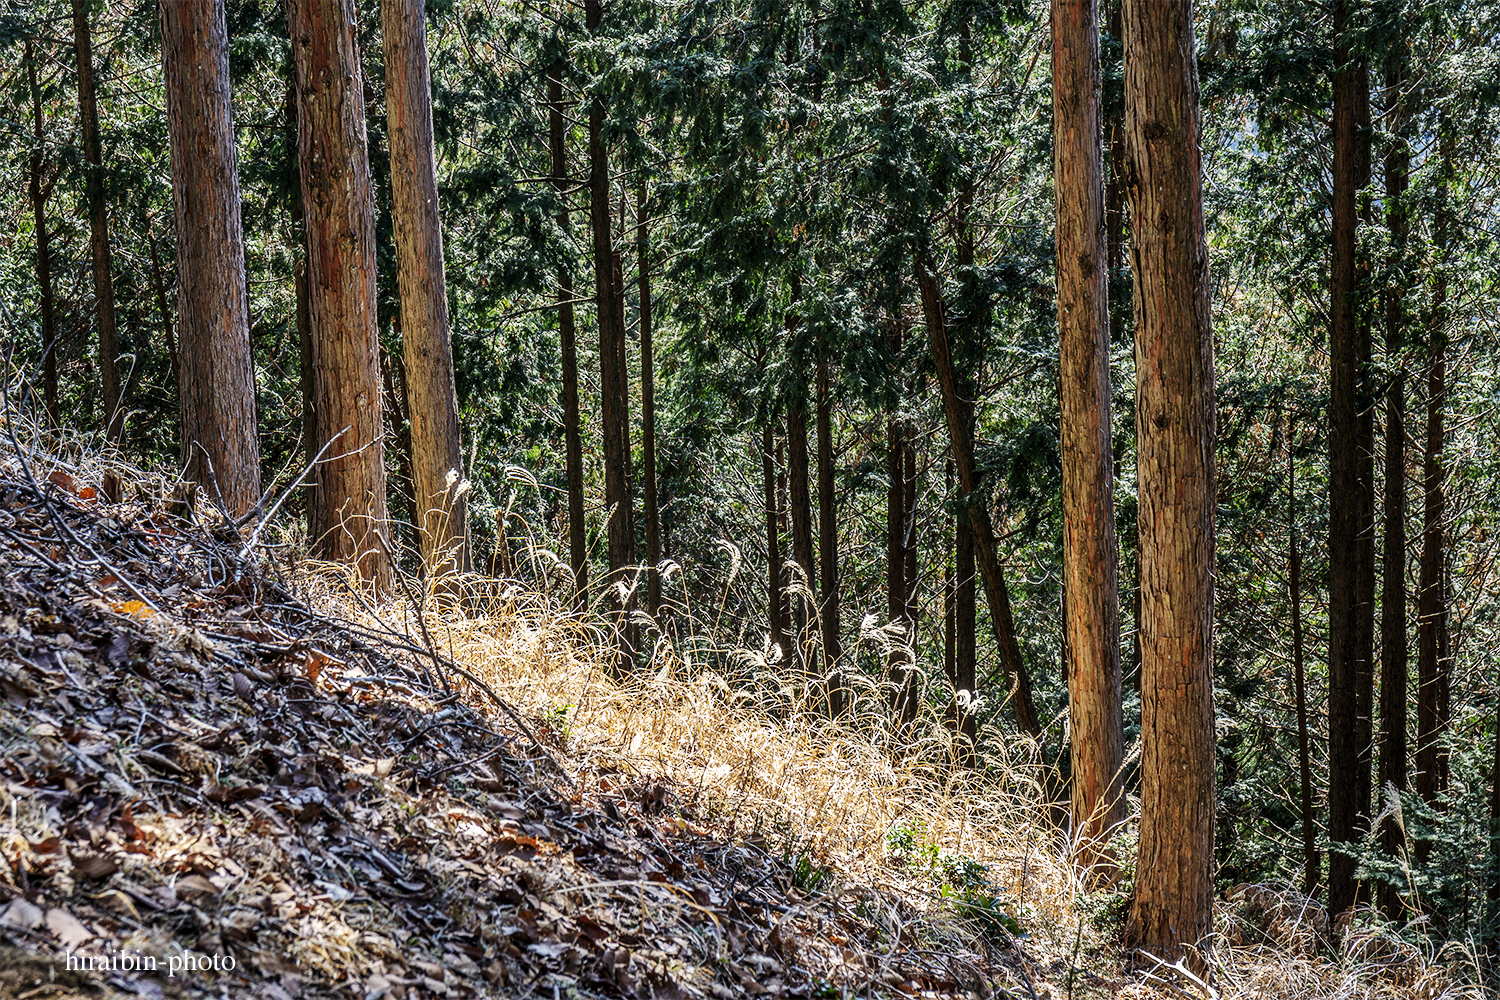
310,438
1090,551
1173,907
216,377
440,510
349,507
112,420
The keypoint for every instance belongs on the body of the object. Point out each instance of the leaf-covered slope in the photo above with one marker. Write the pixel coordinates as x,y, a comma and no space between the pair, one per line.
198,768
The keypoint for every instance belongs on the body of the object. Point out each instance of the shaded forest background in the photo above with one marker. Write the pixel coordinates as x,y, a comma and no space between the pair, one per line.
775,169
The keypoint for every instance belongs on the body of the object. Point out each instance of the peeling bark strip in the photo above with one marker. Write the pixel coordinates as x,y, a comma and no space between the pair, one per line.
113,417
440,510
349,512
1090,550
1173,906
216,372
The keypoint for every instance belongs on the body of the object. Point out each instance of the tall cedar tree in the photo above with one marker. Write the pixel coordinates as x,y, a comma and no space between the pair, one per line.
1090,550
1344,485
39,189
557,132
216,375
441,510
112,420
1393,650
348,504
613,385
1364,600
1432,610
648,404
1173,906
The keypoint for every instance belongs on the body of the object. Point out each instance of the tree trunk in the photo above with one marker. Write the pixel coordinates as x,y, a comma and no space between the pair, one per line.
1173,906
1091,626
648,408
957,412
567,331
909,538
777,633
897,671
802,532
311,440
1432,609
113,418
440,512
1311,861
965,617
1343,481
611,385
622,363
1394,662
1364,633
40,189
1442,754
950,604
1492,893
216,383
349,508
828,546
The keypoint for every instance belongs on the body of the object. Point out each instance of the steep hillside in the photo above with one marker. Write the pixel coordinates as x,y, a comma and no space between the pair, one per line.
204,774
223,773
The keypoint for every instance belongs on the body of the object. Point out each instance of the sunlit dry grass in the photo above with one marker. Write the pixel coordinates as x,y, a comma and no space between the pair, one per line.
744,744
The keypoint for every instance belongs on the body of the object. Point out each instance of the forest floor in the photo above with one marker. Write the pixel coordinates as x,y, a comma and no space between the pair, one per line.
211,759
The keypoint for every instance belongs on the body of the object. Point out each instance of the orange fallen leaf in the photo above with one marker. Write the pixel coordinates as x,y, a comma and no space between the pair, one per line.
60,478
87,493
136,609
